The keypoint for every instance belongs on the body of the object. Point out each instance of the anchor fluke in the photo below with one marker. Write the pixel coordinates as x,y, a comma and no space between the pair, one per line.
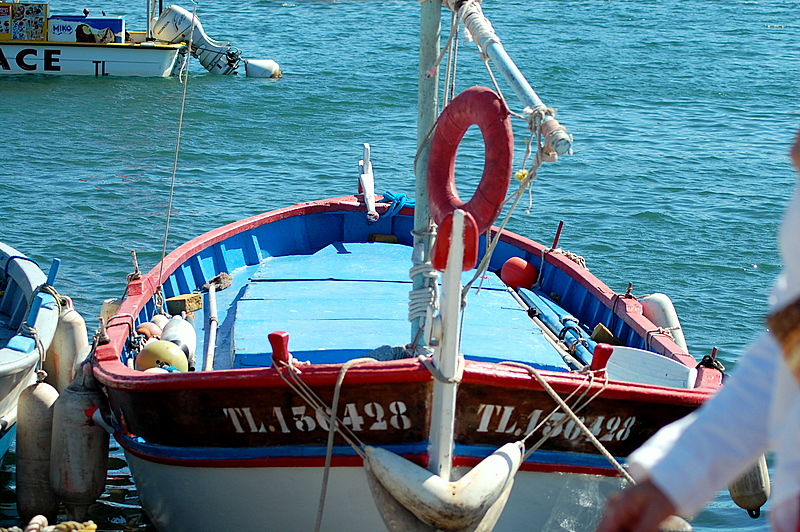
464,504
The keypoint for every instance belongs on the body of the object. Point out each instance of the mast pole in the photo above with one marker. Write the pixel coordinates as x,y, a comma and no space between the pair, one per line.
427,112
447,356
149,15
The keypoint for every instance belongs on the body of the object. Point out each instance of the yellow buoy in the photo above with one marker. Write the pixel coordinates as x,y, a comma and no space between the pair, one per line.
161,353
160,371
34,430
79,446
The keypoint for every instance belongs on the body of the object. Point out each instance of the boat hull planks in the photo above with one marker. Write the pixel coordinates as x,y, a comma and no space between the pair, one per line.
288,497
262,415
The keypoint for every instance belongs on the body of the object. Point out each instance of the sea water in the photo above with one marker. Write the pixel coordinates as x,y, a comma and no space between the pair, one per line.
682,114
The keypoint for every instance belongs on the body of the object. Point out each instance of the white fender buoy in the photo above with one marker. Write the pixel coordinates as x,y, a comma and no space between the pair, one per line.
443,504
262,68
674,523
181,332
109,308
659,309
160,319
35,496
79,359
69,341
751,490
79,446
149,330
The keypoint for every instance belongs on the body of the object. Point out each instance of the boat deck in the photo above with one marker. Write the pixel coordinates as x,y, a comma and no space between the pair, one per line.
347,300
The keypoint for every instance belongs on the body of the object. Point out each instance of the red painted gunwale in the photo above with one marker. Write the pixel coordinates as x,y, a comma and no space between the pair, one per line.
110,371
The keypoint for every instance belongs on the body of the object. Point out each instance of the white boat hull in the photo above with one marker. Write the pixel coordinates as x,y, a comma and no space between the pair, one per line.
88,59
287,498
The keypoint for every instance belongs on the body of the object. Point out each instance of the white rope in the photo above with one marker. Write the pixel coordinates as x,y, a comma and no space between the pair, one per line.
329,414
576,407
453,27
31,331
185,82
314,401
434,371
487,257
420,299
574,418
333,421
449,86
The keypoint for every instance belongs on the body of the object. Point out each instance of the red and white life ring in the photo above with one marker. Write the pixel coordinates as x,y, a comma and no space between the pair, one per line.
479,106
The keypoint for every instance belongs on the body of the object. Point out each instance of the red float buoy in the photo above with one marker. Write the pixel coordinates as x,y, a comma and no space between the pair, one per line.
517,272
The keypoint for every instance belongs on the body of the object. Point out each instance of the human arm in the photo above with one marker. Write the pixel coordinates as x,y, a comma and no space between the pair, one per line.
639,508
684,464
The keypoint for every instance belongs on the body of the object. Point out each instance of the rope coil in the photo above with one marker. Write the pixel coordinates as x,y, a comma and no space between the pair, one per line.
421,299
396,203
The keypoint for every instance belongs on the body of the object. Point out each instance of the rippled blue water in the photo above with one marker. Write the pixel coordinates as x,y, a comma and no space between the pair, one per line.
682,114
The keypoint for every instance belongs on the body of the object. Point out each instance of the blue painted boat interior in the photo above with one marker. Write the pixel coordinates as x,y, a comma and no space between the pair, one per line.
340,296
348,299
13,308
19,279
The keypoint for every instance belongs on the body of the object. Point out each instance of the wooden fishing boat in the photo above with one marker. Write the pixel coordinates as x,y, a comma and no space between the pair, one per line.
34,41
29,316
266,371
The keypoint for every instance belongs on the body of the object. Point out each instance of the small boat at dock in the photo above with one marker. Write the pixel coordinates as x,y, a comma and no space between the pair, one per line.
29,314
361,363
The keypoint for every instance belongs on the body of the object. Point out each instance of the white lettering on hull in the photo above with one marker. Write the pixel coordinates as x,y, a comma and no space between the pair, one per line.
303,419
497,418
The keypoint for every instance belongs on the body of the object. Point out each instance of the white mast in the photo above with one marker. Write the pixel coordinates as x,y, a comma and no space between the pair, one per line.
447,356
427,112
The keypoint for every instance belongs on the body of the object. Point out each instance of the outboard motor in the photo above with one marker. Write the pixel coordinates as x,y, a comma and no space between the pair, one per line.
218,57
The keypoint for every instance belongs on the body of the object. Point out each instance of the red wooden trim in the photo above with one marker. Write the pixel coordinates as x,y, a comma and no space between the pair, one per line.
628,309
420,459
116,375
110,371
113,373
514,377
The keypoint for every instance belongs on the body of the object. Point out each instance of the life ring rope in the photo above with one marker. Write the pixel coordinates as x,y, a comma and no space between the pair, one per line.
479,106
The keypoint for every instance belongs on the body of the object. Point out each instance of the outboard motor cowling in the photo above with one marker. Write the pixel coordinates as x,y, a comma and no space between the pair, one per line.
218,57
175,25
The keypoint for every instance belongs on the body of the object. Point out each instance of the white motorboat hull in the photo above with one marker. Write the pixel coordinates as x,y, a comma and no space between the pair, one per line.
89,59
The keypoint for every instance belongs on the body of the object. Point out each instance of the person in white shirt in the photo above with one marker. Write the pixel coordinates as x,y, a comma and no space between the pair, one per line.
758,410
